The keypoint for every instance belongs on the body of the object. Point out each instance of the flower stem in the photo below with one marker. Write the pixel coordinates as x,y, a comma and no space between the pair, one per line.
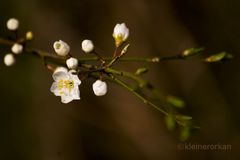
129,88
140,81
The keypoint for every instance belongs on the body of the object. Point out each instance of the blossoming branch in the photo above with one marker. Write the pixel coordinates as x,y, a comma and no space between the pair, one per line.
68,72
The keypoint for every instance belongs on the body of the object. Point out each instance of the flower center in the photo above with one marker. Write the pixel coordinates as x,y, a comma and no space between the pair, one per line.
58,45
65,84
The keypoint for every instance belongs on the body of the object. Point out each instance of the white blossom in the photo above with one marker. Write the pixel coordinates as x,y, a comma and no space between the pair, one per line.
120,33
72,63
9,59
61,48
87,46
66,85
99,88
17,48
61,69
12,24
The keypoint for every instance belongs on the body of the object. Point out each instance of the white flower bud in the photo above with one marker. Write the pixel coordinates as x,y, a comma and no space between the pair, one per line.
9,59
87,46
72,63
61,69
17,48
120,33
99,88
12,24
61,48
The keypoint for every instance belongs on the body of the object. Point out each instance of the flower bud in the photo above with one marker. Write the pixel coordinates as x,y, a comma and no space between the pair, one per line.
29,36
99,88
141,71
222,56
72,63
191,51
12,24
61,48
120,34
9,59
87,46
61,69
17,48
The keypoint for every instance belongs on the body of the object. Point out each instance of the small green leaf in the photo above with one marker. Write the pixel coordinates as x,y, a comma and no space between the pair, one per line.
183,117
176,102
184,133
170,122
191,51
141,71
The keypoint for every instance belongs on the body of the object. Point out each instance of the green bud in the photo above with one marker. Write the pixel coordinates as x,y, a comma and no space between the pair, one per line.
141,71
218,57
191,52
176,102
184,133
170,122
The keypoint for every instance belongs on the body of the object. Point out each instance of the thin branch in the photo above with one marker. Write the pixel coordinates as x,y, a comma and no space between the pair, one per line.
48,55
129,88
140,81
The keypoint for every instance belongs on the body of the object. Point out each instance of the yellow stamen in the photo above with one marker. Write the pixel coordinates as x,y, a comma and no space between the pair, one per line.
67,84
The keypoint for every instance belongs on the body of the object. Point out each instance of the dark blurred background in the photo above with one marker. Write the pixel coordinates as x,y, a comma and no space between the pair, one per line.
36,126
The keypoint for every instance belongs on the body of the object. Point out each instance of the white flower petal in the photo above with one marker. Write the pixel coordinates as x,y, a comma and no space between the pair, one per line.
61,69
66,99
76,79
76,93
60,75
116,29
55,90
53,87
126,35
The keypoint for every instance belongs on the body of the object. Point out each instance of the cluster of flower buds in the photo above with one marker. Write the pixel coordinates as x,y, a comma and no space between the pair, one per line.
17,47
66,81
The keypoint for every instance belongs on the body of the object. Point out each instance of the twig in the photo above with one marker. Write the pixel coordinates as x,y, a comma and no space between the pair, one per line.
129,88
